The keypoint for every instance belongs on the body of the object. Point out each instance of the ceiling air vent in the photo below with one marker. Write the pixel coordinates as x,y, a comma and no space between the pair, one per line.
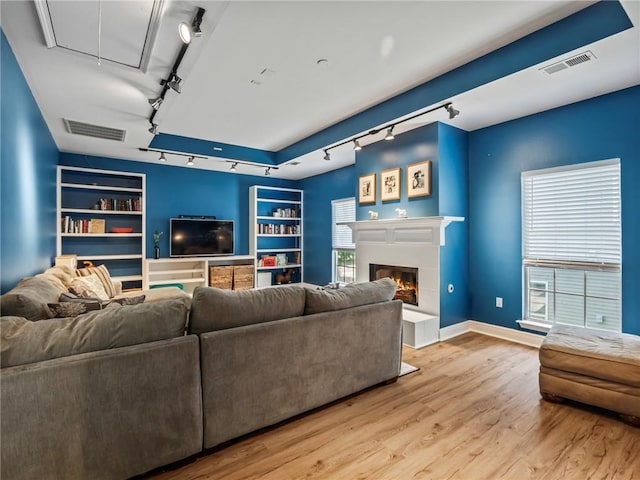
569,62
96,131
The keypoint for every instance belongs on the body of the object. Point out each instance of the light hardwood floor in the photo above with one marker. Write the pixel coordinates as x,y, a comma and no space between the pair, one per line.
472,411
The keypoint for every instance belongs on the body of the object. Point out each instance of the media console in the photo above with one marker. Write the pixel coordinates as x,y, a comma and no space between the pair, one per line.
191,272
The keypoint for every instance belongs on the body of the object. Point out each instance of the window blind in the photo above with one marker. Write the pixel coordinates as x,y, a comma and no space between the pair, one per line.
572,214
343,210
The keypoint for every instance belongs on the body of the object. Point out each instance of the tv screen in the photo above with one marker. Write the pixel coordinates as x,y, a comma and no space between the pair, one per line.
194,237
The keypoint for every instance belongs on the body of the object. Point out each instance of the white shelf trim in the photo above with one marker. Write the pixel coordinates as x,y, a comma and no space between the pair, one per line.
110,257
100,212
101,235
185,271
100,187
177,280
278,250
280,267
274,200
270,217
278,235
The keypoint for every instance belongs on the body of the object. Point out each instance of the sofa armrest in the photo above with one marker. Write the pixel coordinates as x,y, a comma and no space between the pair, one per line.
117,285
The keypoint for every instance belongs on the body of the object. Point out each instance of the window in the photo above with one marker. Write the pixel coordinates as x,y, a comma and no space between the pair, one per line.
344,250
571,245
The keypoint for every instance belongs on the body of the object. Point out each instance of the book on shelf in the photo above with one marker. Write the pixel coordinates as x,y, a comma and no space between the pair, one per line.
83,225
120,205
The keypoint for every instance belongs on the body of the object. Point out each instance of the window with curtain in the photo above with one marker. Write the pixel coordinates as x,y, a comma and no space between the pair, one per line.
344,250
571,244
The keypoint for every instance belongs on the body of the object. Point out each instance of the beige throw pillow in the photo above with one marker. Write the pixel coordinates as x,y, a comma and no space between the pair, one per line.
88,287
103,274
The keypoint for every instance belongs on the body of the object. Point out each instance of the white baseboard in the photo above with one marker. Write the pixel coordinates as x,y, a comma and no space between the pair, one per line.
504,333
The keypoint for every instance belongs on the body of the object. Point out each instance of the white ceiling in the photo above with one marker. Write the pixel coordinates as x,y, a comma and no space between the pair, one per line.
374,51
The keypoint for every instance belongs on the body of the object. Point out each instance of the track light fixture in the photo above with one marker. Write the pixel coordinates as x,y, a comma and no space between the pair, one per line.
174,82
267,171
389,135
162,157
234,167
154,129
389,129
190,162
187,32
156,102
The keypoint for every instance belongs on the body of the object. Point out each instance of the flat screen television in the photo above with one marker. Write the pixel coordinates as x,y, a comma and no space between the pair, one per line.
200,237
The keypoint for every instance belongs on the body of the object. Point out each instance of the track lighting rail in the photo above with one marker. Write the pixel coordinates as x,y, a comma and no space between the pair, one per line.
389,129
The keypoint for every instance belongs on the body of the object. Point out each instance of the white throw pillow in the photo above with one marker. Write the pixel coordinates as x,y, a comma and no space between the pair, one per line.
88,287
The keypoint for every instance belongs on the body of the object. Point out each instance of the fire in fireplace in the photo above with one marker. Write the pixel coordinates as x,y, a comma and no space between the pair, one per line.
405,277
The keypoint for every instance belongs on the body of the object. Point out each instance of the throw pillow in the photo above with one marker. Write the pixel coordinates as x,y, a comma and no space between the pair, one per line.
353,295
72,306
72,309
129,300
103,274
87,287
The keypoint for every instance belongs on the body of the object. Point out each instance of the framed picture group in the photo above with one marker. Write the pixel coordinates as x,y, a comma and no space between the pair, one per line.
417,181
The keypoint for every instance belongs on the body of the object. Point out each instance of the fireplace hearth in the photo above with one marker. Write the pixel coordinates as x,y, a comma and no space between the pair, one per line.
405,277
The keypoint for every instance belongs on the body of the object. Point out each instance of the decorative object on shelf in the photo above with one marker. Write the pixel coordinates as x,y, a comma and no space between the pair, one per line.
121,229
367,188
372,215
281,260
268,261
156,244
419,179
284,277
97,225
401,212
390,184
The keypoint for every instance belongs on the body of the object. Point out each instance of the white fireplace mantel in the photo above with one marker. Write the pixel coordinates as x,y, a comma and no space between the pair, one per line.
402,231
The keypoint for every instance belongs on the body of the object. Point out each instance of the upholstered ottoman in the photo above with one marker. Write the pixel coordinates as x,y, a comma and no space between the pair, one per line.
594,367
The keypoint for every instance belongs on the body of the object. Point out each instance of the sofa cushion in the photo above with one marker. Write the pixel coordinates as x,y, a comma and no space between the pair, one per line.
216,309
353,295
29,299
24,342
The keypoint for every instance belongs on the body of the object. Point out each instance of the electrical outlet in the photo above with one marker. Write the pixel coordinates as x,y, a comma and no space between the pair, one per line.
599,318
499,302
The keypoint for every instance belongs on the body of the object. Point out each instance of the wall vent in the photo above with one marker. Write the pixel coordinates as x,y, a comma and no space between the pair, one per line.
96,131
569,62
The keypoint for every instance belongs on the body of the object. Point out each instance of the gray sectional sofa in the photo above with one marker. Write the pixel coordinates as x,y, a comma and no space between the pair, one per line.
117,392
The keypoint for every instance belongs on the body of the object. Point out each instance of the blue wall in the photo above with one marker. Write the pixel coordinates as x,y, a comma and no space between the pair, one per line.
173,191
453,181
409,147
28,157
319,191
596,129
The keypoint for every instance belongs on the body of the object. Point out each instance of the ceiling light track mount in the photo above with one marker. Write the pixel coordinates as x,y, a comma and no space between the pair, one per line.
174,82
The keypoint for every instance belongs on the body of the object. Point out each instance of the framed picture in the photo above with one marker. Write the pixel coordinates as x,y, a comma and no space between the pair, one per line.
419,179
367,188
390,184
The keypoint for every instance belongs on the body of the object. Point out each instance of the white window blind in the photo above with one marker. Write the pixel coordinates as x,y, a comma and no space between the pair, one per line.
572,214
343,210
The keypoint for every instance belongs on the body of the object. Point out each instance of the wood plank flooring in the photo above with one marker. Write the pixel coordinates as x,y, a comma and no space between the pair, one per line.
473,411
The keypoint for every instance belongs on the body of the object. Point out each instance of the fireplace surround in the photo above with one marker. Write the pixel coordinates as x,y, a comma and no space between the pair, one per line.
407,243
